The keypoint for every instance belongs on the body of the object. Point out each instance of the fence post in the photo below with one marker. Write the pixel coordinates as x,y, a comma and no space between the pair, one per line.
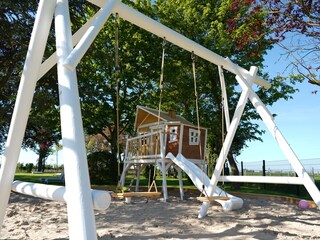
241,168
312,173
264,171
298,187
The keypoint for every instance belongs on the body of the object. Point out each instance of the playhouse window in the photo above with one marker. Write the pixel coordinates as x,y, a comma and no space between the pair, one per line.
173,134
144,140
193,137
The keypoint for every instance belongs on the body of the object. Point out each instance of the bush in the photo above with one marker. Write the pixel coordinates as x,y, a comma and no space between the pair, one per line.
29,167
20,167
148,172
103,168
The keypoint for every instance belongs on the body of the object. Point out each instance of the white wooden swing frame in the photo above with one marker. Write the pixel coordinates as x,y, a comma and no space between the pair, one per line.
79,202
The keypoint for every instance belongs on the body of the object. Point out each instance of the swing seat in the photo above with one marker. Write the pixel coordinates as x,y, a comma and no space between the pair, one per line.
136,194
212,199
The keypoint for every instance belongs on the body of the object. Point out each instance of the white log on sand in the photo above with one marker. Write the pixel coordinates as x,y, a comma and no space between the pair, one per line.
100,199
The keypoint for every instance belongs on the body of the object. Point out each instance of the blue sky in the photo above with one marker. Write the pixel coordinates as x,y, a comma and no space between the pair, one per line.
298,119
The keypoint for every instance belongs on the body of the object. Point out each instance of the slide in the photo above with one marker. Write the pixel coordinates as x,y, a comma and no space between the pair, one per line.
198,178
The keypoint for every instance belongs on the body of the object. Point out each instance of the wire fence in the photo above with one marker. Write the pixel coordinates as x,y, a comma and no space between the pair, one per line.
278,168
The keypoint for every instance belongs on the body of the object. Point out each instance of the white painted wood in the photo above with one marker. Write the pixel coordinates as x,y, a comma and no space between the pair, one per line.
285,147
147,160
262,179
144,157
180,183
205,150
163,167
181,138
224,97
161,164
24,98
79,203
199,179
123,175
101,199
228,140
82,47
52,60
138,177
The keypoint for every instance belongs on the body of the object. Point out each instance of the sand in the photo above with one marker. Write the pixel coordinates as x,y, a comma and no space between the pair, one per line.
33,218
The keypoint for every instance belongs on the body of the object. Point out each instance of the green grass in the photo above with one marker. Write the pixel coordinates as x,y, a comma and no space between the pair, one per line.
256,188
32,177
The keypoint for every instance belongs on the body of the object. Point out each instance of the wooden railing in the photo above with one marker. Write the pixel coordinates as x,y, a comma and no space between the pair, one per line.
145,146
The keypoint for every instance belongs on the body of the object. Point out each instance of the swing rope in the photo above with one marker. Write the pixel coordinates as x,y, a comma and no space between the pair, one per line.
161,78
132,180
206,198
193,58
117,76
223,124
222,140
153,184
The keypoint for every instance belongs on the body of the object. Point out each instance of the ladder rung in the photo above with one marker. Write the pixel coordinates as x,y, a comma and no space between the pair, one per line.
136,194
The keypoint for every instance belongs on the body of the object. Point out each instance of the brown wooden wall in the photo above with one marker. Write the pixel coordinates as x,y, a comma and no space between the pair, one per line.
192,151
173,147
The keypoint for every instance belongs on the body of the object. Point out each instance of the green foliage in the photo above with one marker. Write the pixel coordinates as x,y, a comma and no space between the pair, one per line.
29,167
16,20
211,157
298,23
236,31
138,69
32,177
148,172
20,167
102,168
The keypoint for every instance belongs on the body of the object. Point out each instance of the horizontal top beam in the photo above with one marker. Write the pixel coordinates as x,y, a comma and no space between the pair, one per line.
176,38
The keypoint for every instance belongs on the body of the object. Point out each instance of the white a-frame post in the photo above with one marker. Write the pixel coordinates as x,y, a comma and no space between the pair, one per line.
24,99
79,202
303,177
80,208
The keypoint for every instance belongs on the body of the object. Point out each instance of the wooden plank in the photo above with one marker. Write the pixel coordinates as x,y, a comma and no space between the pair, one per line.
211,199
136,194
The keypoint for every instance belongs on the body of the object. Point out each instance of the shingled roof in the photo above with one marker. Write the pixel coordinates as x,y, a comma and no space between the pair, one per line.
146,115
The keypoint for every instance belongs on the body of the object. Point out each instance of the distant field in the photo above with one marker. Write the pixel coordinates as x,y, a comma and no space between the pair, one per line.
33,177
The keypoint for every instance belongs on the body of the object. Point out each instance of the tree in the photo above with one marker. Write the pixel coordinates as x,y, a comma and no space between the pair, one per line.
138,69
101,167
300,21
233,29
43,126
16,22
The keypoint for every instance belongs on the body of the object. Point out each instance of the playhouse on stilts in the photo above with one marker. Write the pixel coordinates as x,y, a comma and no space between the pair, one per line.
158,134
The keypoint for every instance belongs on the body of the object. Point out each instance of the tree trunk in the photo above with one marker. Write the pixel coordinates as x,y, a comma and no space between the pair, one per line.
42,157
40,163
234,170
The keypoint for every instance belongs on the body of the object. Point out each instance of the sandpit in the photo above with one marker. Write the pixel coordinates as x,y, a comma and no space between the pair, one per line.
33,218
